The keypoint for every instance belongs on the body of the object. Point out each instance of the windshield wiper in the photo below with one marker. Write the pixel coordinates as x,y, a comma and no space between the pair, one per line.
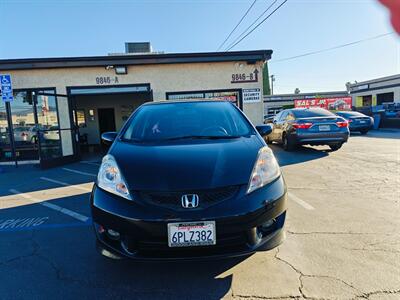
205,137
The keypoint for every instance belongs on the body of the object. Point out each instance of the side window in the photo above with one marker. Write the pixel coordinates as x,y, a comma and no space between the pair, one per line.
277,117
290,117
283,116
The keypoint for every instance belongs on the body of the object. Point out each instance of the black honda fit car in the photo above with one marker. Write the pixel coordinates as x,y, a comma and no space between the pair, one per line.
187,180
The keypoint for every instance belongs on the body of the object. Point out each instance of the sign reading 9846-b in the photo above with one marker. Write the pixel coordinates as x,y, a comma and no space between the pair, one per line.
6,88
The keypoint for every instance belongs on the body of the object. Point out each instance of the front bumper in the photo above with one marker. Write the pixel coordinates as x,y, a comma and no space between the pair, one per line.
143,230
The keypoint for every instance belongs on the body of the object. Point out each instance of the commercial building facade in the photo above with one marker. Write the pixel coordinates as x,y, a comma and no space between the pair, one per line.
275,103
63,104
376,92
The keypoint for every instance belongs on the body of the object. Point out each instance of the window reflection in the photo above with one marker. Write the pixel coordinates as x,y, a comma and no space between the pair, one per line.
4,135
35,126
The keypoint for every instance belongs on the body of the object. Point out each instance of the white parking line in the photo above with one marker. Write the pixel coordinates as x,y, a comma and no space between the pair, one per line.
74,186
52,206
300,201
79,172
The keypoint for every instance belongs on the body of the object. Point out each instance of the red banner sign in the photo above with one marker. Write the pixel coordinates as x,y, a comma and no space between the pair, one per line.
334,103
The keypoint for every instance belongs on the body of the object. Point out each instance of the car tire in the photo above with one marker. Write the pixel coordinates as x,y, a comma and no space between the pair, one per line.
335,147
287,143
363,131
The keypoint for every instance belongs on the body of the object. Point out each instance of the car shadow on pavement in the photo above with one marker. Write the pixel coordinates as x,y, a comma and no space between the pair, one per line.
43,248
172,280
299,155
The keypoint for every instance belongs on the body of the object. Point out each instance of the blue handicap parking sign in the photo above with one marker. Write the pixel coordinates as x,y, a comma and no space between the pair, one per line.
6,88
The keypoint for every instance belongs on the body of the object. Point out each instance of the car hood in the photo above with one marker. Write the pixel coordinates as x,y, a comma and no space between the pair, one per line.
187,165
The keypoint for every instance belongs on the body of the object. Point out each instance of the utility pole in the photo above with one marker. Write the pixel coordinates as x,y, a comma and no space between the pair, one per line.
272,84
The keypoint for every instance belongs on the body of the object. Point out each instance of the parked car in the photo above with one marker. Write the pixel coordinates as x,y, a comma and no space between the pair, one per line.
51,134
188,179
21,134
268,119
357,121
309,126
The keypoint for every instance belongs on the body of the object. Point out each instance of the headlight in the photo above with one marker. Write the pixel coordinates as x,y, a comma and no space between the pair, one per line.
111,179
265,170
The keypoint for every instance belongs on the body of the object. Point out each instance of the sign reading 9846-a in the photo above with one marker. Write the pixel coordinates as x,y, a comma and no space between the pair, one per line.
107,80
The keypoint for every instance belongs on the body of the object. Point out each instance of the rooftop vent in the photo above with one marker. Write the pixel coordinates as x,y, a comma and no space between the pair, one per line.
142,47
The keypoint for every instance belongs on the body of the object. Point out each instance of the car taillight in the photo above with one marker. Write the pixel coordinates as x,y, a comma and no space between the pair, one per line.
349,120
302,125
342,124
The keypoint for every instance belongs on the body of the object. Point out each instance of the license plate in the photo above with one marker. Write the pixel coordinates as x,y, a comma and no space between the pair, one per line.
189,234
363,122
324,127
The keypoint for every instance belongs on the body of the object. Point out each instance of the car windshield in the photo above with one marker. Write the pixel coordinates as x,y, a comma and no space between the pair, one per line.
314,112
187,120
349,114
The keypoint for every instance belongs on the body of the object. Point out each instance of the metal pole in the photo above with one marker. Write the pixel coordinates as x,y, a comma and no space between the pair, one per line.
11,133
272,84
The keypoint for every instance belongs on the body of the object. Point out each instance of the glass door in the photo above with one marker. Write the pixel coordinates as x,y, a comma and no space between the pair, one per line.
56,136
24,122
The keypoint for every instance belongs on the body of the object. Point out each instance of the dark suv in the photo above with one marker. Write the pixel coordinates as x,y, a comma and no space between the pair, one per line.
309,126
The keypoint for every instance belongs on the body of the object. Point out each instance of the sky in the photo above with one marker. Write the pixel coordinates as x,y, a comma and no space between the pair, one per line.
44,28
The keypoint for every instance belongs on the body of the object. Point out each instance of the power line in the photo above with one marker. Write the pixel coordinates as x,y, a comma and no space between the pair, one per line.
240,21
259,17
335,47
266,18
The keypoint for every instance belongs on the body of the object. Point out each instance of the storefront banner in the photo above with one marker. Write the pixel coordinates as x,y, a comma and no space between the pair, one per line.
334,103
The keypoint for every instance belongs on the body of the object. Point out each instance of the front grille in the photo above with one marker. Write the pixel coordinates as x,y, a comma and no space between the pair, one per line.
172,200
226,243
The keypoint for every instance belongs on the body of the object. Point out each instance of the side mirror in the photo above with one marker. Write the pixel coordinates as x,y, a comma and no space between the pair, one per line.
108,137
264,130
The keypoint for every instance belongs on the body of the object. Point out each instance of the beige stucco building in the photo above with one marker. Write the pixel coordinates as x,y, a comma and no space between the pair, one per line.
90,95
376,91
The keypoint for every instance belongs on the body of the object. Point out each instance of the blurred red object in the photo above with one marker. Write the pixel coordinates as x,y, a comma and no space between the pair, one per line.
394,7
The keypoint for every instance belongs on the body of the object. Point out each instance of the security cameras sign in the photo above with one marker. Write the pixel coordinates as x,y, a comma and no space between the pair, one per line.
6,88
251,95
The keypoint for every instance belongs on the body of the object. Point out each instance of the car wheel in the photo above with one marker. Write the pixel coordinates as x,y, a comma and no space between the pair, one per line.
363,131
335,147
287,143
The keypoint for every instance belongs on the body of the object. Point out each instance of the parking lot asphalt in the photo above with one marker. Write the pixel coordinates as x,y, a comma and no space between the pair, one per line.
343,235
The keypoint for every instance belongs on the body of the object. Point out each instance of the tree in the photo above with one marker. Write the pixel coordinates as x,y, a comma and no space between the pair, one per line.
266,87
297,91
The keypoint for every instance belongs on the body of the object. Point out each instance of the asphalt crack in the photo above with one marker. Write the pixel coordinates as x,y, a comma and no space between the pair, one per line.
35,251
338,233
302,275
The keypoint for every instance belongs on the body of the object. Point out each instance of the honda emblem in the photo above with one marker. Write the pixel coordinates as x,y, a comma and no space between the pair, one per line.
190,200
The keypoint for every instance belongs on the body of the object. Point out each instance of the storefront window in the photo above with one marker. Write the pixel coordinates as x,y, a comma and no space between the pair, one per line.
4,135
23,120
35,126
232,96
